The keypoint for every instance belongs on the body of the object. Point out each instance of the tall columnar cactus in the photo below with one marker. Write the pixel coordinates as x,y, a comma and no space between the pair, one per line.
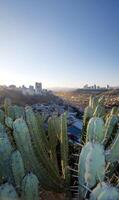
41,151
21,135
93,102
30,187
7,103
2,116
18,170
8,192
88,114
64,148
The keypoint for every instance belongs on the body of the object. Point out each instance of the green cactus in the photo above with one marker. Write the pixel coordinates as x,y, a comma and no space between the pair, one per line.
17,168
64,149
9,122
95,165
96,130
104,191
8,192
88,114
99,111
112,154
18,112
93,101
40,150
5,152
114,111
21,135
81,168
7,103
53,140
10,112
2,116
30,187
110,126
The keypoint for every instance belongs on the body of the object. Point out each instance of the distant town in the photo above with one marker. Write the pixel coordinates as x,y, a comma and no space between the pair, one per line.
31,90
96,87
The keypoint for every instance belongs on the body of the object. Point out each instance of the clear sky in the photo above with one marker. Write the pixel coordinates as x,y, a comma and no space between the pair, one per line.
60,42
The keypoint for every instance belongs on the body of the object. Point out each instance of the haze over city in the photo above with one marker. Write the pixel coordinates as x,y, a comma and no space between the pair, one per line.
62,43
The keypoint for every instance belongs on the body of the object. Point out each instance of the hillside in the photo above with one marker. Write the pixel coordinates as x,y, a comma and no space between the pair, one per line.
80,97
18,98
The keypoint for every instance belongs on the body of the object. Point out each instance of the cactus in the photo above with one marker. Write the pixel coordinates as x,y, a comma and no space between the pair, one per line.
64,148
93,102
88,113
9,122
18,112
10,112
40,150
95,165
5,152
52,135
8,192
30,187
110,126
21,135
114,111
112,154
2,116
104,191
17,168
99,111
81,168
96,130
7,103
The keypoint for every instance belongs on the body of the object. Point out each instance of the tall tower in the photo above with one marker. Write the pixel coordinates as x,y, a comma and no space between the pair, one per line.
38,88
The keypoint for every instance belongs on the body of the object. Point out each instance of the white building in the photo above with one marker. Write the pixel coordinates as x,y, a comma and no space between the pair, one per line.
38,88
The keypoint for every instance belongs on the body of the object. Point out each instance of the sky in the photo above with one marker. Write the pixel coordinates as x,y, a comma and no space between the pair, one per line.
61,43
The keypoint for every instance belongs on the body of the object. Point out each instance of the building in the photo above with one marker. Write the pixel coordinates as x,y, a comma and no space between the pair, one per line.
38,88
31,90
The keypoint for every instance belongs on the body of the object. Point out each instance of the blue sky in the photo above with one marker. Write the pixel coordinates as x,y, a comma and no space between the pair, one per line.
65,43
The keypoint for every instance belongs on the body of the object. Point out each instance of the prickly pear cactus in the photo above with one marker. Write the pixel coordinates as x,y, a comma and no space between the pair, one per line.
104,191
5,152
110,126
112,154
95,165
81,168
17,168
30,187
96,130
8,192
9,122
